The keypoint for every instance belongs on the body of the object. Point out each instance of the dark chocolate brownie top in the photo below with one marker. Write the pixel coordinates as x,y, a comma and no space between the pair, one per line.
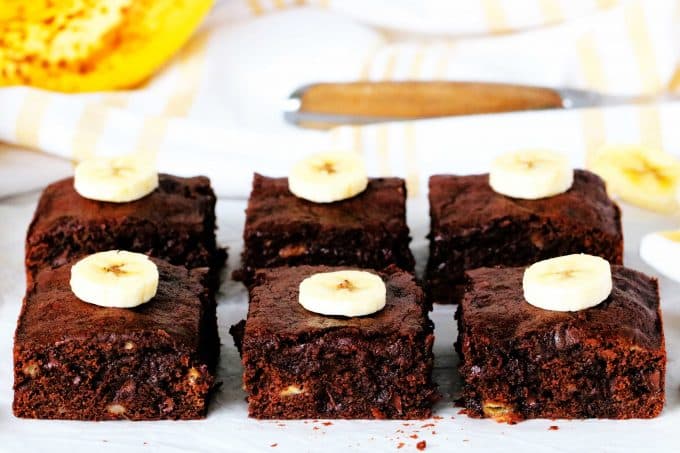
52,313
467,202
381,205
494,307
274,308
177,201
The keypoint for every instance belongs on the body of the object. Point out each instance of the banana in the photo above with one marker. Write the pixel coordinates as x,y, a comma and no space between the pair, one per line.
115,179
639,175
92,45
343,293
662,251
328,177
531,174
568,283
115,278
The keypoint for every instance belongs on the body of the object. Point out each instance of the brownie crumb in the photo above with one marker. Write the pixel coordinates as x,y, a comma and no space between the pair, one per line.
553,428
327,423
274,445
401,445
413,436
422,445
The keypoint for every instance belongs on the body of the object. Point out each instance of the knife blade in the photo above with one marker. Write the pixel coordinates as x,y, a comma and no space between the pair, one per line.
326,105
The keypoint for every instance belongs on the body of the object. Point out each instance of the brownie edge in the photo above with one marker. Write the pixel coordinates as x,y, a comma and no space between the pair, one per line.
79,361
299,364
368,230
518,361
472,227
175,222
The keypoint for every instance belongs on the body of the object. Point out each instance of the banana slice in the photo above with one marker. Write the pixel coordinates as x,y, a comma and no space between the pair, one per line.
639,175
328,177
568,283
116,179
662,251
343,293
115,279
531,174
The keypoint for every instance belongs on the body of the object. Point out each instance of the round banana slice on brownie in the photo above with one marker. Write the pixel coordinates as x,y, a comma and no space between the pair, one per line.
116,179
343,293
115,278
531,174
328,177
568,283
661,250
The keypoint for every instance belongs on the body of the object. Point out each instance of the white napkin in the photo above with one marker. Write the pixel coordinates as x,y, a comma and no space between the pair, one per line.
216,108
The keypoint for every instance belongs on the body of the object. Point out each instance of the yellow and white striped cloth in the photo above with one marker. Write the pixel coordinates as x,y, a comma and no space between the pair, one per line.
216,108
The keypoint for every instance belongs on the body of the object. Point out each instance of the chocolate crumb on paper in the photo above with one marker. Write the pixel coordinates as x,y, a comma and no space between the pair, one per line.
553,428
422,445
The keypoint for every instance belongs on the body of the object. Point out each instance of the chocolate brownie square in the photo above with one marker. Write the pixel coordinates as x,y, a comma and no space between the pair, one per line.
518,361
79,361
472,226
299,364
368,230
176,222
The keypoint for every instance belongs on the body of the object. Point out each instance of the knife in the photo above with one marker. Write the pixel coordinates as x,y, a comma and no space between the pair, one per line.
326,105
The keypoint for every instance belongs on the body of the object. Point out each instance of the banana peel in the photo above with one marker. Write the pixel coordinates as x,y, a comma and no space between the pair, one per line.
643,176
92,45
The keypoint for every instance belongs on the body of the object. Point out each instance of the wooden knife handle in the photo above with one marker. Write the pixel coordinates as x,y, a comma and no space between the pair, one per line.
423,99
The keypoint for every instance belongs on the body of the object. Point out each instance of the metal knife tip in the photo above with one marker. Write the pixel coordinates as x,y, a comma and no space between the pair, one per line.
291,105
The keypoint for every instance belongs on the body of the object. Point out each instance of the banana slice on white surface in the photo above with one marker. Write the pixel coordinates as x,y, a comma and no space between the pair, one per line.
115,278
643,176
531,174
661,250
343,293
116,179
328,177
568,283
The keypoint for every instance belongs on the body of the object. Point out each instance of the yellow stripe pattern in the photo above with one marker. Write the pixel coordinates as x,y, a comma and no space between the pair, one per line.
29,119
642,47
412,172
606,4
382,149
551,11
675,81
89,130
255,7
443,63
495,16
593,131
417,63
151,136
590,62
191,66
650,126
592,119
